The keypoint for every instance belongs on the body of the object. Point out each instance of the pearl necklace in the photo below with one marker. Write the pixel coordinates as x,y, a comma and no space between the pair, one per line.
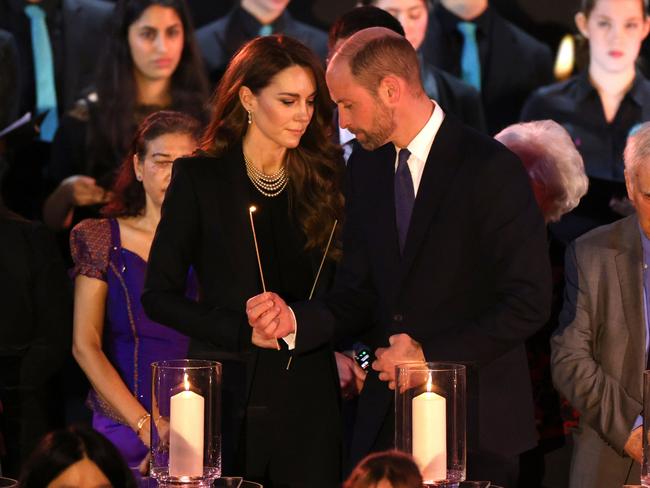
267,185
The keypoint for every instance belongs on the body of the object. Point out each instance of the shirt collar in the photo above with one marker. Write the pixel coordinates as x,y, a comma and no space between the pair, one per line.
251,26
422,142
345,136
584,88
449,21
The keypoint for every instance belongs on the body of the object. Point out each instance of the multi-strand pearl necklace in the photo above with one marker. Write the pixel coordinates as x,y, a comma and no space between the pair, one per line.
267,185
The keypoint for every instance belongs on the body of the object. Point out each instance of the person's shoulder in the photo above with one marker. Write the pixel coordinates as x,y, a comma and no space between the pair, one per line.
94,5
456,85
520,36
561,95
611,236
197,166
216,26
313,37
91,230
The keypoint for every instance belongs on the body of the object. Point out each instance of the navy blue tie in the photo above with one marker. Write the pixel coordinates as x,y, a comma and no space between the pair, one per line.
404,196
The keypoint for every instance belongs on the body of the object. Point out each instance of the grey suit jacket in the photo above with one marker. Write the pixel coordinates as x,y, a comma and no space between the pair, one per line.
598,352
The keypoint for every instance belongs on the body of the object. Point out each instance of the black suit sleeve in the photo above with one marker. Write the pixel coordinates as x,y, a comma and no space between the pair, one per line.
174,250
514,263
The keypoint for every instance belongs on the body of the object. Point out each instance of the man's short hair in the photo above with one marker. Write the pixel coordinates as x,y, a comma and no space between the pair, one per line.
375,53
358,19
552,162
637,149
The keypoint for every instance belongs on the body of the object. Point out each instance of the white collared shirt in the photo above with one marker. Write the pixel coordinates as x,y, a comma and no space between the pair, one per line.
421,144
346,139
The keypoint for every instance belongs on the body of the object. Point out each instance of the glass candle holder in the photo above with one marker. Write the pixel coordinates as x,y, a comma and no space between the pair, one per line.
186,422
430,419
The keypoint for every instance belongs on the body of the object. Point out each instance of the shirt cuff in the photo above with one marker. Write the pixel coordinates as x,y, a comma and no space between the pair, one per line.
290,339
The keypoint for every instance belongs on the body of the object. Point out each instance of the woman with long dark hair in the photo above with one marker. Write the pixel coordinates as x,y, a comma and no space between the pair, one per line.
151,63
268,145
113,340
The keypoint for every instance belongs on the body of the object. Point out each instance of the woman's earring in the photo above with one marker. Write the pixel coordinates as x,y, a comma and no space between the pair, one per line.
250,117
138,177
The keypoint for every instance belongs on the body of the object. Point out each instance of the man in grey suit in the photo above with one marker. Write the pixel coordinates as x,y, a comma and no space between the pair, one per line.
600,349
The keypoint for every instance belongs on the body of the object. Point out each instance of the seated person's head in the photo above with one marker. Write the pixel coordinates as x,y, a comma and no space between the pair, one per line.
554,166
76,457
358,19
637,173
412,14
389,469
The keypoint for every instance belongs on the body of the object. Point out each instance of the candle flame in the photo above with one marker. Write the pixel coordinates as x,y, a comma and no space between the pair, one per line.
186,382
252,208
429,383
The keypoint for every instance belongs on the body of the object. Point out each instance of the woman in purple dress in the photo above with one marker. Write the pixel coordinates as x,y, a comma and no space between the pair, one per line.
114,342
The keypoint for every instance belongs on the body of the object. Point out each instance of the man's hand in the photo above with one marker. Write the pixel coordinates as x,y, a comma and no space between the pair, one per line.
351,376
634,445
270,318
402,349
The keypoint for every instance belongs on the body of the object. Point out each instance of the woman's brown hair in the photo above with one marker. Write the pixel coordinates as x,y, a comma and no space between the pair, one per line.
315,166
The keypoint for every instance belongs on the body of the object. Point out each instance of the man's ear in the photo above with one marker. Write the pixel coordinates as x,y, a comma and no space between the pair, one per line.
390,90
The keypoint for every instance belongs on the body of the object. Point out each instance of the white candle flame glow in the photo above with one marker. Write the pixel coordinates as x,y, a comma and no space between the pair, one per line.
186,382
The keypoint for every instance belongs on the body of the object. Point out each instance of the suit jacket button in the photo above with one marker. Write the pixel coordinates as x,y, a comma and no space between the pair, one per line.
398,317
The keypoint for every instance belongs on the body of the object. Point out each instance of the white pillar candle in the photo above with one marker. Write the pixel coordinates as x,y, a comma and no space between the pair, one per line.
430,435
186,433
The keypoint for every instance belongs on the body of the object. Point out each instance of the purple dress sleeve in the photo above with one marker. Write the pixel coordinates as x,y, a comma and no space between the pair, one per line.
90,242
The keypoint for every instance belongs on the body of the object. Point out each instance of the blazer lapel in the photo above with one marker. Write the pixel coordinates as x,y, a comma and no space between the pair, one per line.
630,277
441,165
232,204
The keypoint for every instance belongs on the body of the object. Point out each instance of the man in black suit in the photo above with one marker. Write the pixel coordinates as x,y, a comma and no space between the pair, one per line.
466,279
222,38
511,63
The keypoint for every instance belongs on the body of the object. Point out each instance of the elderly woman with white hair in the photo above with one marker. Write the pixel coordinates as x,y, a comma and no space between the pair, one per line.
557,176
556,171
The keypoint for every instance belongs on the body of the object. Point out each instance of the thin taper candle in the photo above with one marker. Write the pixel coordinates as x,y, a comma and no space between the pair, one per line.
322,261
252,209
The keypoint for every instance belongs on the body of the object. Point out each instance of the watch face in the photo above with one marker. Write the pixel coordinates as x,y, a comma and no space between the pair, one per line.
362,357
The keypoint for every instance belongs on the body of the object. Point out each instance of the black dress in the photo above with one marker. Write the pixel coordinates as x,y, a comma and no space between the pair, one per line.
291,417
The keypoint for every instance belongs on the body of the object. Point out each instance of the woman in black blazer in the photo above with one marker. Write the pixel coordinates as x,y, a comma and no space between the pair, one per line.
269,145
